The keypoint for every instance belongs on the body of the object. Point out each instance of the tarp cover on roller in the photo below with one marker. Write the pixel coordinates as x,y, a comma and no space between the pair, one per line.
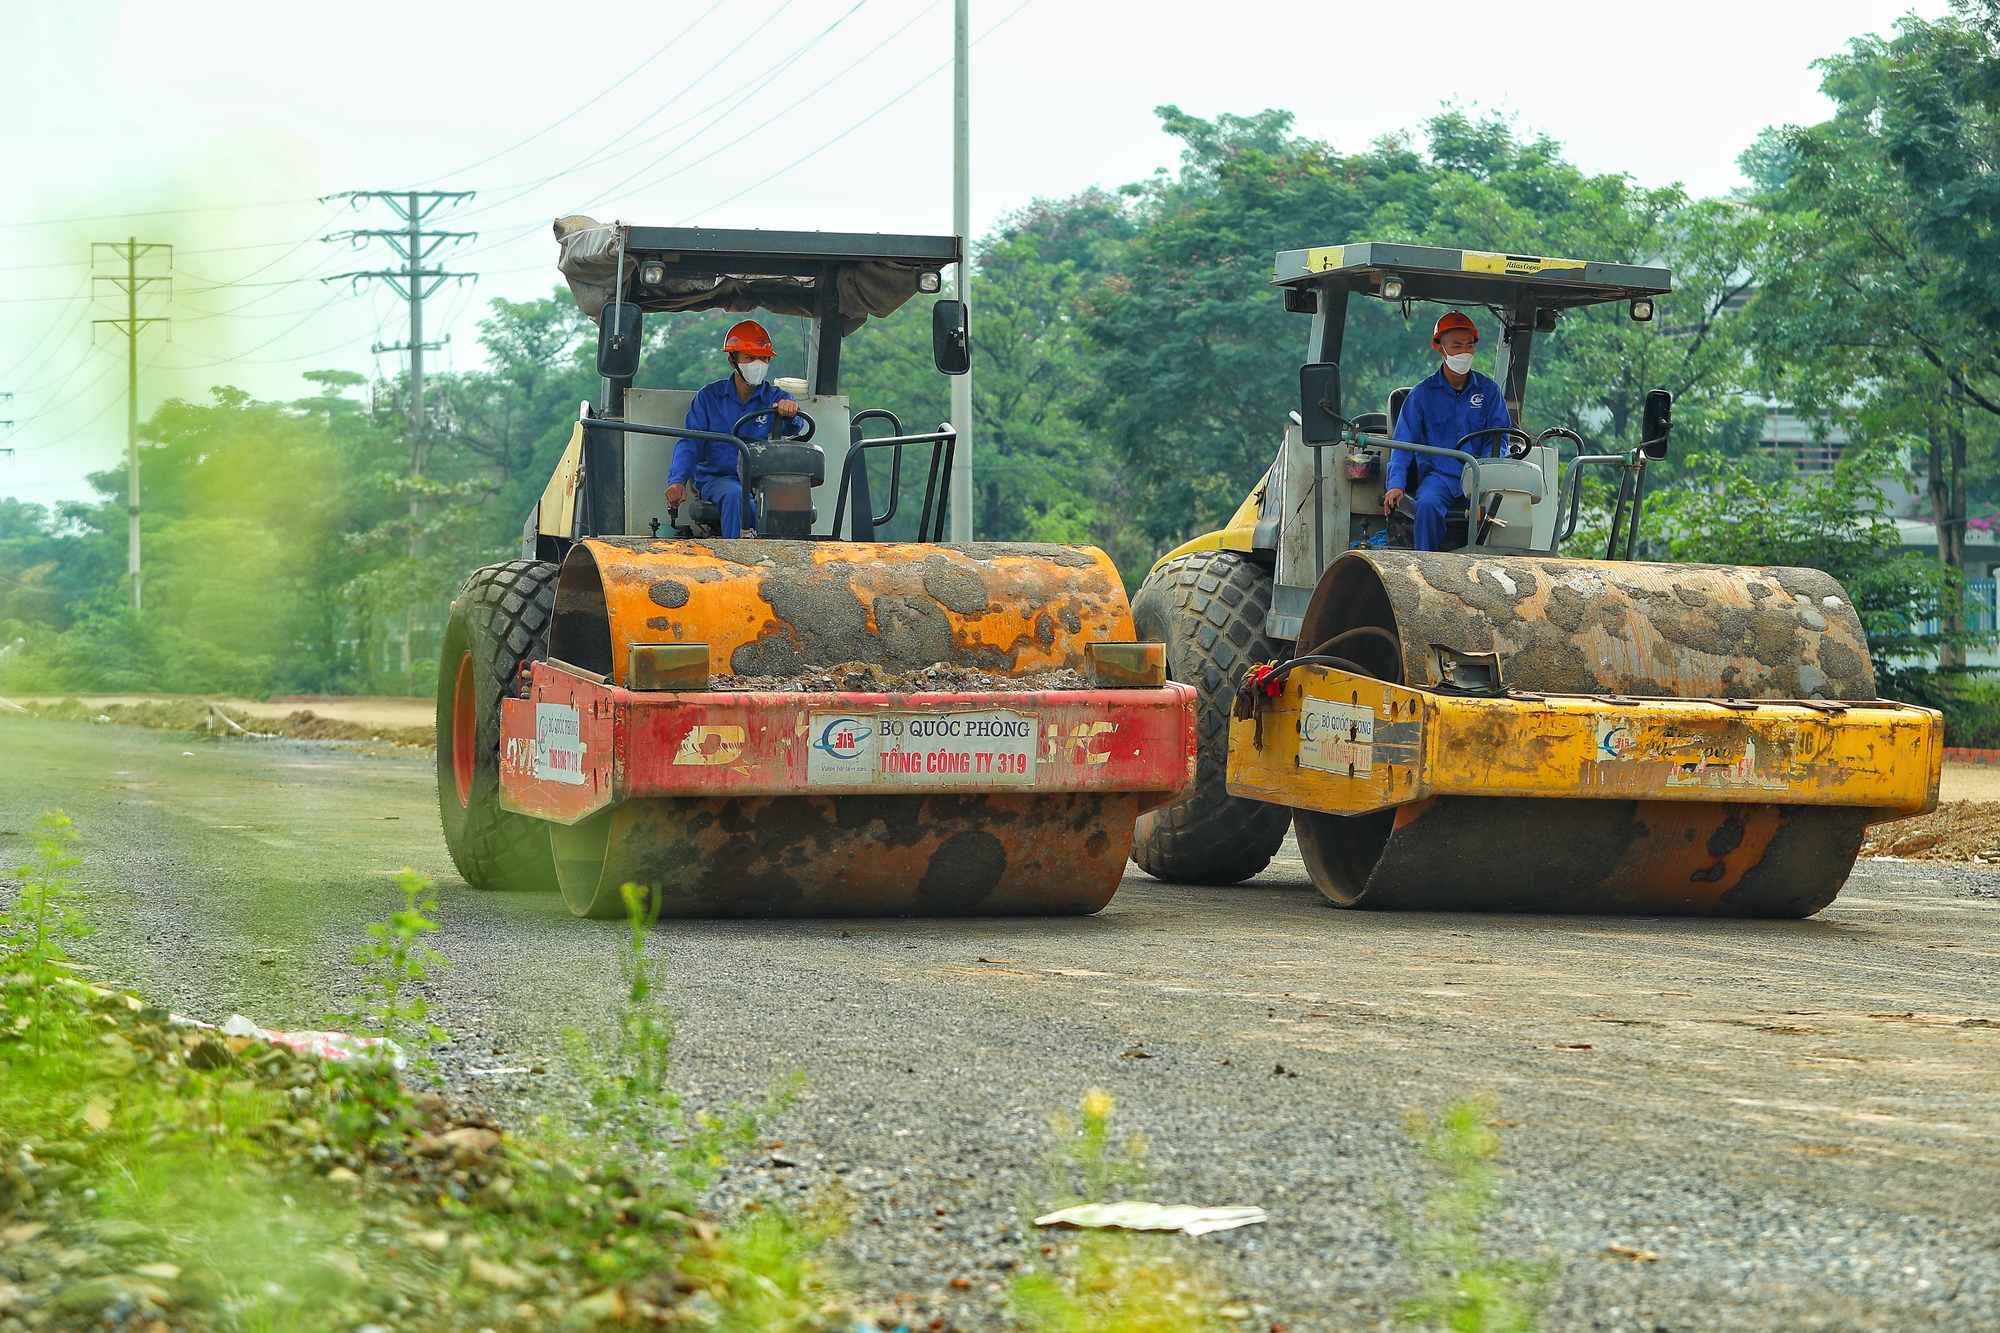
590,257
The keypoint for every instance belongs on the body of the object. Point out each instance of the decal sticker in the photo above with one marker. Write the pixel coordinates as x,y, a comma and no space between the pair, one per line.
559,743
1336,738
988,748
710,745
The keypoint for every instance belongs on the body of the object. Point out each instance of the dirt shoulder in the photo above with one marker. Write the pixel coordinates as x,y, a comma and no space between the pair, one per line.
227,719
362,710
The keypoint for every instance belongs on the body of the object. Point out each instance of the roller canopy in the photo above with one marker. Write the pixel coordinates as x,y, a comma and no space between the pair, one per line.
783,272
1468,277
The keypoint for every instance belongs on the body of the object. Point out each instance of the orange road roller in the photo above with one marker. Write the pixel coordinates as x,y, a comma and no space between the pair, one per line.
842,715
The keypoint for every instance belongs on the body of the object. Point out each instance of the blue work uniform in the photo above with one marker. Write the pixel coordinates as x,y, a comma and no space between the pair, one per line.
711,464
1437,414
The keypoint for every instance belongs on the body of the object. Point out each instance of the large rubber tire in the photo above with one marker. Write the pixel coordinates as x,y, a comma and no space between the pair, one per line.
499,621
1208,607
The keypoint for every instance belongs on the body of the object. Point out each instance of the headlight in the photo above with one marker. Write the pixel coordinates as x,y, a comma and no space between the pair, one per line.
652,273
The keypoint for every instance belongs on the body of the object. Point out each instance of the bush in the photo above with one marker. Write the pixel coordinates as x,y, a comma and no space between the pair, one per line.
1969,700
1725,514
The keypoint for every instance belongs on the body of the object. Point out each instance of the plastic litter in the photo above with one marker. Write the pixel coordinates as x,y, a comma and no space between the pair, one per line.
1134,1216
325,1045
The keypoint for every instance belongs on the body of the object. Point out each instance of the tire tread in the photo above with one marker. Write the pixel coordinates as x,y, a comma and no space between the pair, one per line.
1210,607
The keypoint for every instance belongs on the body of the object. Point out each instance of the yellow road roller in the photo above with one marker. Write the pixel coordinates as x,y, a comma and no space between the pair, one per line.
840,715
1502,725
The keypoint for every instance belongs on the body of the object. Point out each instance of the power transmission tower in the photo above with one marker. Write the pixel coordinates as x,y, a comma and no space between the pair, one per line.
417,246
133,284
6,423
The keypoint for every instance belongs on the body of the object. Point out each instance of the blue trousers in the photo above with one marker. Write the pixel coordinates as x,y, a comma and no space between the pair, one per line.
726,494
1434,494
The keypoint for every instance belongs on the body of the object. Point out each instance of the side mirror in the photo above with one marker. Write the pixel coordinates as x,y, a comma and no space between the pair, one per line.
951,338
618,341
1658,423
1319,402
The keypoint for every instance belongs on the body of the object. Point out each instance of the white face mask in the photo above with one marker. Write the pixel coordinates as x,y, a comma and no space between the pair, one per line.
753,372
1458,365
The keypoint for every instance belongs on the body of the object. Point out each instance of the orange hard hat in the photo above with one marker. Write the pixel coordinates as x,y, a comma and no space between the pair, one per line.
1453,319
750,339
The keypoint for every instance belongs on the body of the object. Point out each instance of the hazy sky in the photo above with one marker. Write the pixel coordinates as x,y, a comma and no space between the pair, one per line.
214,126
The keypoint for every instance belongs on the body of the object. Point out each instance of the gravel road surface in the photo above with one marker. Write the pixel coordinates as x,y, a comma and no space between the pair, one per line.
1798,1118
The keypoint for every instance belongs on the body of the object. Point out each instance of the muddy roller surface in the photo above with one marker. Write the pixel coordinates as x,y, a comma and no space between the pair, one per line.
1799,1118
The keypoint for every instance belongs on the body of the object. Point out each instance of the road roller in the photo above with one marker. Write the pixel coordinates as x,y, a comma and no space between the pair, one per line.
841,715
1506,724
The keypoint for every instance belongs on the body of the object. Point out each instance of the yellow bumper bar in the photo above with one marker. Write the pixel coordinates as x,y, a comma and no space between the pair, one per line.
1350,744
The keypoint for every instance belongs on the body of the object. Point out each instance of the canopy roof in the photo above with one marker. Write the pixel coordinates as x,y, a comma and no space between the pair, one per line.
784,272
1468,277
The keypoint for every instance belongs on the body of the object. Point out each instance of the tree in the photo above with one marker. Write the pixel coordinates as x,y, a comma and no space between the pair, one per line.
1191,320
1880,284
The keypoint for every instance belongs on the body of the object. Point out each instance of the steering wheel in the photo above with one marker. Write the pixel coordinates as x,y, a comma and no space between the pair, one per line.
754,413
1527,440
1562,432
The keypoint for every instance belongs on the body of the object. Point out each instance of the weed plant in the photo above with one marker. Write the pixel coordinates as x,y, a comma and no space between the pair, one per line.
1459,1287
398,961
632,1100
44,915
1106,1281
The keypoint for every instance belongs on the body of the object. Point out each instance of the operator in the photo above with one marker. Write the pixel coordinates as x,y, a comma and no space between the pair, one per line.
711,464
1441,410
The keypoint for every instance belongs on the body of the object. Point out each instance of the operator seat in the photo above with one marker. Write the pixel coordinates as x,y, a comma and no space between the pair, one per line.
1457,520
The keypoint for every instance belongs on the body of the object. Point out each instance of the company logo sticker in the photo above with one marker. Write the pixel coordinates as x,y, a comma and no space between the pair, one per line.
559,743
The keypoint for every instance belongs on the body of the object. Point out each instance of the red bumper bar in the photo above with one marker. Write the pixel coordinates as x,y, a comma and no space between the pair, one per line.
577,744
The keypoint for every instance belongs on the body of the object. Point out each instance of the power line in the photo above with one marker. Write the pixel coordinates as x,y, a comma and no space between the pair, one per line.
82,285
605,92
154,213
815,91
740,96
808,156
598,155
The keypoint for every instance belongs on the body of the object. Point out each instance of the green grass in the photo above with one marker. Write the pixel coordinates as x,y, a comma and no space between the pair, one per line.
229,1184
1459,1286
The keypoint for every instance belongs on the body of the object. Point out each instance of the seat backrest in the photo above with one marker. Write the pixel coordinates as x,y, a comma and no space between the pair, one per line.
1520,477
1396,398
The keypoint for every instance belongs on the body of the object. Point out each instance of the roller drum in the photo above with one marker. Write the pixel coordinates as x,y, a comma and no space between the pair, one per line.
1594,628
966,854
1599,627
775,608
782,608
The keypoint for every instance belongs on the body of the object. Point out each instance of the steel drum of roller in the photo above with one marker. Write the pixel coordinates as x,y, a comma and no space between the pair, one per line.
780,608
1589,628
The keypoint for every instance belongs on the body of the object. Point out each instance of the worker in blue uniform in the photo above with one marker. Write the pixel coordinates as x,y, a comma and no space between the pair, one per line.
710,465
1442,410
